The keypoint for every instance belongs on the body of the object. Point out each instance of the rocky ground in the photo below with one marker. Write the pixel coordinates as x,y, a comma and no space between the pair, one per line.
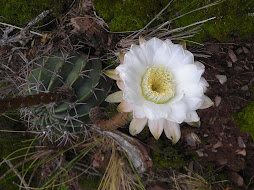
229,72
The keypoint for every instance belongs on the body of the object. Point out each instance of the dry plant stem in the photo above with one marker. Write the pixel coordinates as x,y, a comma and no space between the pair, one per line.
31,23
60,95
39,155
17,173
99,119
134,149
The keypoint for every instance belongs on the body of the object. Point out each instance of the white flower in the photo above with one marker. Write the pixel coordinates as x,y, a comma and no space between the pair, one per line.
162,85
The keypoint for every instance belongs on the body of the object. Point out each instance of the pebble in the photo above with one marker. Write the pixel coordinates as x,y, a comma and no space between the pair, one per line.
241,144
213,150
229,63
245,87
217,145
248,94
217,101
239,50
241,152
232,55
192,139
222,78
222,161
200,152
237,179
245,50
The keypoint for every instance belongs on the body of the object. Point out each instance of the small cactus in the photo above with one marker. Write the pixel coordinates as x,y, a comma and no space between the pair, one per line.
60,71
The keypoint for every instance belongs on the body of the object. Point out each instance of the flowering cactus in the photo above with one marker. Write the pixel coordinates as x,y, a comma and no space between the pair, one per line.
161,85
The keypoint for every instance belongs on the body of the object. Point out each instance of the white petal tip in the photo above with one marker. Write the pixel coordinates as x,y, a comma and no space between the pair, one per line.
194,124
112,74
124,107
207,103
115,97
137,125
121,56
141,40
172,131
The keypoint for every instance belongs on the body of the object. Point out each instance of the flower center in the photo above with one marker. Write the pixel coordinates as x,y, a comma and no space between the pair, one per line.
157,85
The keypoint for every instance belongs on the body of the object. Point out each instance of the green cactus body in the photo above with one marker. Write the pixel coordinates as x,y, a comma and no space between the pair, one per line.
61,70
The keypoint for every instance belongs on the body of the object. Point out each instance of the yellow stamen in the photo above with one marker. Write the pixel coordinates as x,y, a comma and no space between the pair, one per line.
157,85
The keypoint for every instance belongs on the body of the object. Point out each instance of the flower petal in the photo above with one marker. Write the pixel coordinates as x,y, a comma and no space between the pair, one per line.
138,112
172,131
141,40
194,103
112,74
137,125
162,55
120,84
156,127
124,107
116,97
194,124
192,116
207,102
121,57
203,83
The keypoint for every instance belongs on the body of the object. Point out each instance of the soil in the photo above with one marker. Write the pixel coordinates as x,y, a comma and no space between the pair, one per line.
223,144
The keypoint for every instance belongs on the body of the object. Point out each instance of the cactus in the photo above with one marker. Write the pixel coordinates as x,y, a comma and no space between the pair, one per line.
59,71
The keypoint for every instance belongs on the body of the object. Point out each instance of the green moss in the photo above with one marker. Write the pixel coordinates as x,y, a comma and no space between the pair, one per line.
90,183
233,17
128,15
245,119
164,154
169,158
21,12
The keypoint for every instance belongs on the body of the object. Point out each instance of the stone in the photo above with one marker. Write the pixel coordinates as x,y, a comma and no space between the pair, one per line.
232,55
240,142
217,145
200,152
222,161
245,50
192,139
229,63
239,50
217,101
222,78
241,152
237,179
245,87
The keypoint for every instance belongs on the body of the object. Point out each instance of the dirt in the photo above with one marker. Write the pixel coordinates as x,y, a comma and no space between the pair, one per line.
222,143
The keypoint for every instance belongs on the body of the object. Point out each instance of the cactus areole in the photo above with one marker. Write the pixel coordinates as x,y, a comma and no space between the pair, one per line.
66,70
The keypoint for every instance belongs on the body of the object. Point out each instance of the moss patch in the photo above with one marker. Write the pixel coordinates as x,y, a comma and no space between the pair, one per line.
128,15
21,12
90,183
245,119
233,17
163,153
